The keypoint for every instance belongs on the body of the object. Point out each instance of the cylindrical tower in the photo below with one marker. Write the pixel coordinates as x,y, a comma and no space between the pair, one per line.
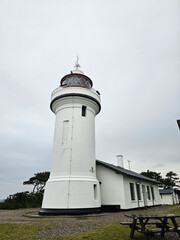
72,187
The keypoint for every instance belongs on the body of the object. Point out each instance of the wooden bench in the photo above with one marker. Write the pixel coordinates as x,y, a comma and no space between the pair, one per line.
158,224
161,223
160,230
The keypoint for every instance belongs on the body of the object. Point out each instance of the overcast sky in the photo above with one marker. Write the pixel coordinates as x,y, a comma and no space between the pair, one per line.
131,51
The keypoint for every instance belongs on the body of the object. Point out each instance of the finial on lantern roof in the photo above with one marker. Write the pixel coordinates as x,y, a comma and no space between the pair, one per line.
77,66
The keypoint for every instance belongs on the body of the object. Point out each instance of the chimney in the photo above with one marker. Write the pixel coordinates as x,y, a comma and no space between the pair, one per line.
120,162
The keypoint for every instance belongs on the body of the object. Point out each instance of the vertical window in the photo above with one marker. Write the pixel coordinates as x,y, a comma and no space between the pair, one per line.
152,192
65,132
148,193
132,191
138,191
95,191
84,108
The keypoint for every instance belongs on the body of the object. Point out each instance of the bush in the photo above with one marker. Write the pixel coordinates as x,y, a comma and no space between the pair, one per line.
22,200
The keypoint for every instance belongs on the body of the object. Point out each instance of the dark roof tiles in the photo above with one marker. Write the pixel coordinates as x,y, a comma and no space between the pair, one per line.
166,191
123,171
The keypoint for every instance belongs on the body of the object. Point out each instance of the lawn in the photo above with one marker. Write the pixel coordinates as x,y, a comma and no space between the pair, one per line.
17,227
27,232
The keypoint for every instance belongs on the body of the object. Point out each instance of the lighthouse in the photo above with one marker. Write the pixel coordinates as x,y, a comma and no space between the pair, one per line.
72,187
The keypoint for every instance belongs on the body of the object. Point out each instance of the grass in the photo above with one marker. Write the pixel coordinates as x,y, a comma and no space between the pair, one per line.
28,230
113,232
15,231
175,211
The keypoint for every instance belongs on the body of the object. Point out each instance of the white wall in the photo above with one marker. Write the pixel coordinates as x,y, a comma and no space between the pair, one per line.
169,199
177,198
166,199
73,183
141,203
111,187
115,190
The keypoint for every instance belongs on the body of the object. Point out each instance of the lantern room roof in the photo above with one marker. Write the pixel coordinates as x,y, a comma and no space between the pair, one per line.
76,78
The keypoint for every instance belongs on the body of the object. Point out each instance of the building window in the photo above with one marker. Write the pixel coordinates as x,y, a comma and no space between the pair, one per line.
84,108
95,191
152,192
65,132
148,193
132,191
138,191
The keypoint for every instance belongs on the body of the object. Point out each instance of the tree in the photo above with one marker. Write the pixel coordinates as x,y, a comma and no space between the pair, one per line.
153,175
171,180
22,200
39,181
28,199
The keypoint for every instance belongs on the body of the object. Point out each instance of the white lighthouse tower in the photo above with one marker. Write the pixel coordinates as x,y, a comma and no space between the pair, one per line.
72,187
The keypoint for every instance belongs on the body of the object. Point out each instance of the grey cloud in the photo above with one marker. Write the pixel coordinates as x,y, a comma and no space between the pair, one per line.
130,49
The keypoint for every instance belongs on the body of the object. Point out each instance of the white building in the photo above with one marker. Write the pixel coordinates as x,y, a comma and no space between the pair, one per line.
169,196
124,189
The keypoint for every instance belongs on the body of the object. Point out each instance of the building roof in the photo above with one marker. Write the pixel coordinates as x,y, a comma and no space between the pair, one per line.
123,171
166,191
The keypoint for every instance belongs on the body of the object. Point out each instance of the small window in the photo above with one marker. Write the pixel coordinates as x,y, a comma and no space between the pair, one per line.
95,191
132,191
148,193
152,192
138,191
84,108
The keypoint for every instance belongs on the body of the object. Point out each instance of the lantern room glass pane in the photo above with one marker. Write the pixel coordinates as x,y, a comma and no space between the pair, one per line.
76,81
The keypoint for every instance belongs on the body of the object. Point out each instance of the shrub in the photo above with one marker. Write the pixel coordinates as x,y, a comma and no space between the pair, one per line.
22,200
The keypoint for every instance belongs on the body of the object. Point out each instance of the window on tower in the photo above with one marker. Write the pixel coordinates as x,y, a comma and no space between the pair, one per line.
95,191
84,108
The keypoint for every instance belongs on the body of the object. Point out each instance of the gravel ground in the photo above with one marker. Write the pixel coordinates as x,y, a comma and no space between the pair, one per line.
68,225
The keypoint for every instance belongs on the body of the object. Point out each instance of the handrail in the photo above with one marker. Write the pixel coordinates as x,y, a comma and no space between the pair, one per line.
59,88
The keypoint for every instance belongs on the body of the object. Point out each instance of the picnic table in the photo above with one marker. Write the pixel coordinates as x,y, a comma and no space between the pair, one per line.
161,221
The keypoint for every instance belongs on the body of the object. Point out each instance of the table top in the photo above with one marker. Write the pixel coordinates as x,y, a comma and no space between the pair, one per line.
151,216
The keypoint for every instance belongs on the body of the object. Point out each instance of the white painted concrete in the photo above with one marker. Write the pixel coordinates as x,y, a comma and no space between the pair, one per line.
170,199
111,188
73,183
120,162
115,190
144,201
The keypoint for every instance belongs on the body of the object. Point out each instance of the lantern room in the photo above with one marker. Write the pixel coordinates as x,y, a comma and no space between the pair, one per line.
76,78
